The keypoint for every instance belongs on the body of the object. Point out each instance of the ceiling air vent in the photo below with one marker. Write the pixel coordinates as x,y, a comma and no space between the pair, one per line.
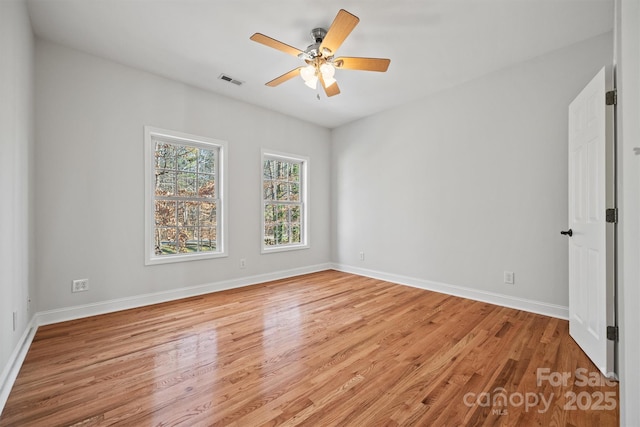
230,79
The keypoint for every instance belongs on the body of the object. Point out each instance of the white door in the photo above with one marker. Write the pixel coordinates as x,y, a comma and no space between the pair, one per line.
590,293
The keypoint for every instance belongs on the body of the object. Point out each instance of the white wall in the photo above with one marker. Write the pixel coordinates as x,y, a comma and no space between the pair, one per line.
16,184
90,183
628,66
460,186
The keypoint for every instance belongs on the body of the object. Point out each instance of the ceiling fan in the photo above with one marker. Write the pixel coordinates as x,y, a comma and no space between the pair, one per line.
319,56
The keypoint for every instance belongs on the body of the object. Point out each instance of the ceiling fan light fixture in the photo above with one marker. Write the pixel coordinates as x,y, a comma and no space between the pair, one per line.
308,72
328,71
312,82
309,75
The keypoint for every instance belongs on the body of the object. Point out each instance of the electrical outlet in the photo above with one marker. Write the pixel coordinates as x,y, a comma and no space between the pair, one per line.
80,285
509,277
243,263
361,256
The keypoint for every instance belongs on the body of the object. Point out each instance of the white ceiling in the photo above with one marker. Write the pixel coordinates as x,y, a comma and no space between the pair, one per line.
433,45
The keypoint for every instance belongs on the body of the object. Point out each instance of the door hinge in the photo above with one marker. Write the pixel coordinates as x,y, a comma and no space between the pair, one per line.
611,215
612,333
611,97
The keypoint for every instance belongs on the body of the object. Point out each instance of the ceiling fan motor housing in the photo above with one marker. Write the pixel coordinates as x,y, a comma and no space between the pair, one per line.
313,50
318,34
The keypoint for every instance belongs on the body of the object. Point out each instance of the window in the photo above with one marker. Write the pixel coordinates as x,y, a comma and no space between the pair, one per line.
184,196
284,193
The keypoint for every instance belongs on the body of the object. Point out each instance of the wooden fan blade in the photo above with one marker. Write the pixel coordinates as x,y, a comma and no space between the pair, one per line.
365,64
329,90
283,78
276,44
341,27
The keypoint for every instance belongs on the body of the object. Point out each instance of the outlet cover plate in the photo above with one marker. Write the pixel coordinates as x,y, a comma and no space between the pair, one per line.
509,278
80,285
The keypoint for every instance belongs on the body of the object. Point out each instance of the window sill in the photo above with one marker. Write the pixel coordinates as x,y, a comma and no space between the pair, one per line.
183,258
283,248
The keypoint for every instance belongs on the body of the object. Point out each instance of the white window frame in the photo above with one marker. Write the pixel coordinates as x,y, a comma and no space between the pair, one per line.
304,200
153,134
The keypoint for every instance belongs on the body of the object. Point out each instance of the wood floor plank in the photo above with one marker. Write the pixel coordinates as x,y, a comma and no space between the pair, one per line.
327,349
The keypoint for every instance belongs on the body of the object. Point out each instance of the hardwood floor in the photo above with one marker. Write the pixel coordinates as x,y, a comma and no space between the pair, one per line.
323,349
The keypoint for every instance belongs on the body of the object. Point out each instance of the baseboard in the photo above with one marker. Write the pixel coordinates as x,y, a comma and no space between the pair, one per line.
538,307
81,311
11,369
